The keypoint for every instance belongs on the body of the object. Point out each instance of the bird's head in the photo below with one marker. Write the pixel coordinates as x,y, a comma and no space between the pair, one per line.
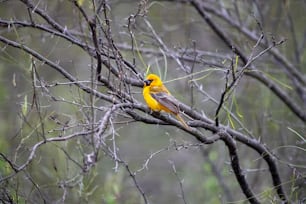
153,80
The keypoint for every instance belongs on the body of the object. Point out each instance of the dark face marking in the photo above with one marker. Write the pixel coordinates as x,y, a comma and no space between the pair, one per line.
147,82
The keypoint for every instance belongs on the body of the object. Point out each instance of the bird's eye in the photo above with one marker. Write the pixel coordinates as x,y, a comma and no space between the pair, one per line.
148,82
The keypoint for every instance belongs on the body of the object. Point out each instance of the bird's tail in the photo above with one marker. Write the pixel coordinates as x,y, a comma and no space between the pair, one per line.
182,121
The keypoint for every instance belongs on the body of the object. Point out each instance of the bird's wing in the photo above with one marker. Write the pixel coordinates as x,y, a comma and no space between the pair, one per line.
158,89
166,100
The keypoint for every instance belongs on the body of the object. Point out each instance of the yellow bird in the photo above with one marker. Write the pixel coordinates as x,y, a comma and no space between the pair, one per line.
158,98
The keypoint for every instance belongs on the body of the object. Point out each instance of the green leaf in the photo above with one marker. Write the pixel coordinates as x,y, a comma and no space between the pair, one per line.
80,2
278,81
24,107
298,134
237,108
236,63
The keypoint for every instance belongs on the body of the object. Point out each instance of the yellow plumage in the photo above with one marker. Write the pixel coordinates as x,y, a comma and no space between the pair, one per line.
158,98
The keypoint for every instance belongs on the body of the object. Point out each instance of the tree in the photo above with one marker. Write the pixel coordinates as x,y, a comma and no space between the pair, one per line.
76,128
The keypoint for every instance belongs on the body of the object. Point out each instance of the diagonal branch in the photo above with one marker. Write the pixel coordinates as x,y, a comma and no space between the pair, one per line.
296,109
232,149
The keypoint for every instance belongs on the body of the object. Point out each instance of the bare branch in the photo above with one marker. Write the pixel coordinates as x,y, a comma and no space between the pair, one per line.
229,142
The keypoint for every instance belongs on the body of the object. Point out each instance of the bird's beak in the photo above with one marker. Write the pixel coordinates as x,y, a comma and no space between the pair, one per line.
147,82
